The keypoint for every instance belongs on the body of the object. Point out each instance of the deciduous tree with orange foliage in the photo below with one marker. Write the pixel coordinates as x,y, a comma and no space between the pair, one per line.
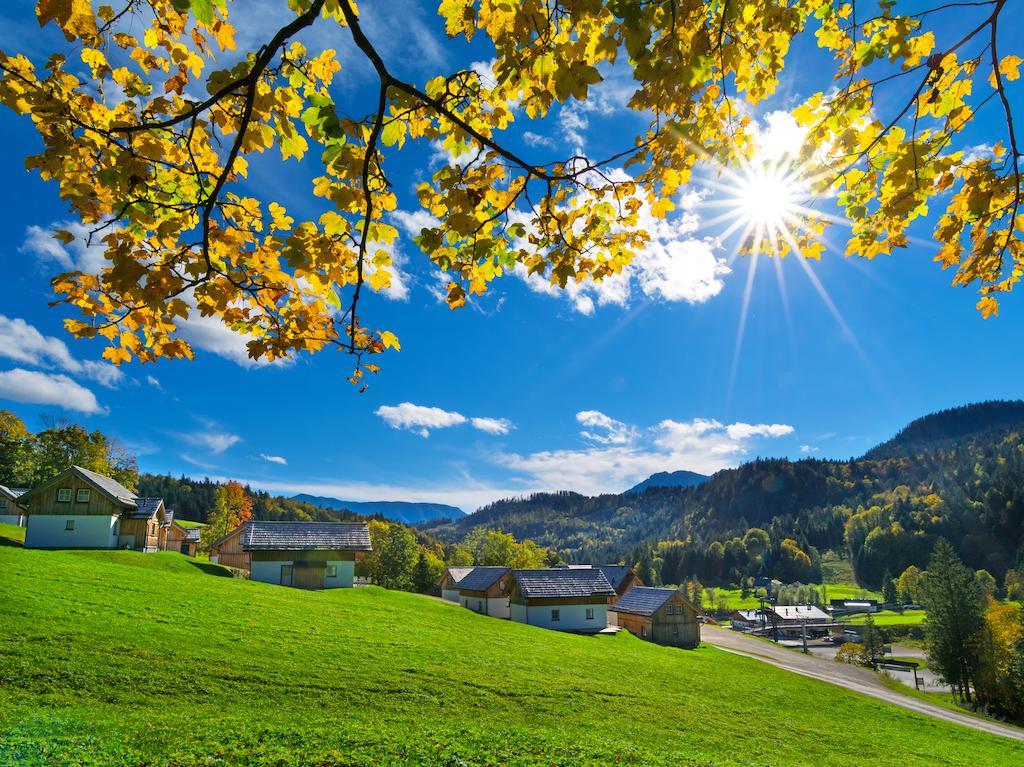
232,507
148,138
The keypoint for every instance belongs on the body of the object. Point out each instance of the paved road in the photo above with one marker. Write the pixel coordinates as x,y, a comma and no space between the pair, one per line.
844,675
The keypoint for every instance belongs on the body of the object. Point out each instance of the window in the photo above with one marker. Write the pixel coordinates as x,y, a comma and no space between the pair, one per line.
479,605
69,525
555,616
590,613
643,632
332,571
3,503
286,575
82,496
64,495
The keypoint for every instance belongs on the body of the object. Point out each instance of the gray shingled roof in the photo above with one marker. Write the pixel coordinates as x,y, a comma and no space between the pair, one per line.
144,508
193,533
642,600
481,578
563,582
305,536
12,492
110,486
615,574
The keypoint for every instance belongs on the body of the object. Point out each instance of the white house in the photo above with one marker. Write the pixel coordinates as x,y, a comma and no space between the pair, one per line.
449,583
563,599
483,590
10,512
306,555
80,509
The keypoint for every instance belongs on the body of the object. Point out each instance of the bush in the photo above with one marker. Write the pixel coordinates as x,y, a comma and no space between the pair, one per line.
852,653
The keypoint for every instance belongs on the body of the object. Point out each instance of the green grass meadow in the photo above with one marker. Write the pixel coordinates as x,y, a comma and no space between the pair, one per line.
121,658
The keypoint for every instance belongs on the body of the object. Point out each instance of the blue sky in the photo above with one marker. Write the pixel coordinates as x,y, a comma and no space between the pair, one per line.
525,389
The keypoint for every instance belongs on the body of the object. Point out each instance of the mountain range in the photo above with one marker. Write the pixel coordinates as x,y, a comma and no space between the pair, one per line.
957,474
681,478
407,512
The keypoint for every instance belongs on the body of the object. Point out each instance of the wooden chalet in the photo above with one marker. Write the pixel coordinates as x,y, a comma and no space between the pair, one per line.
448,584
482,590
11,512
621,578
80,509
306,555
182,538
564,599
662,616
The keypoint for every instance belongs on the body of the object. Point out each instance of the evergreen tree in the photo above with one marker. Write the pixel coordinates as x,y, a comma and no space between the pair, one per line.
889,593
872,642
955,618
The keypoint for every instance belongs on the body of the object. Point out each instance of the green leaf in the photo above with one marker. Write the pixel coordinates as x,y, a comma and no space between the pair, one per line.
202,10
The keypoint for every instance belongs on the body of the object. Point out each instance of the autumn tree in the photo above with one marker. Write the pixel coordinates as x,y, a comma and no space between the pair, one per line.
872,642
427,572
232,505
910,585
149,118
495,548
15,451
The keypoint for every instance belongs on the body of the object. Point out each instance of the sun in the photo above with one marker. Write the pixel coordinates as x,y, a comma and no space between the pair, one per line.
769,196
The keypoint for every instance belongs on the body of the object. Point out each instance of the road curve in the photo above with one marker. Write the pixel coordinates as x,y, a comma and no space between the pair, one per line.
844,675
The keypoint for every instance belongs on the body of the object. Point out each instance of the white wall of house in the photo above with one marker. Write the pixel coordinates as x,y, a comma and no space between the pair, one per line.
451,595
91,531
345,575
496,607
267,572
570,617
12,519
270,572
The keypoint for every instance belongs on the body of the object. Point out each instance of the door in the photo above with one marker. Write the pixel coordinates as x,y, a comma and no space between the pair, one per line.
309,575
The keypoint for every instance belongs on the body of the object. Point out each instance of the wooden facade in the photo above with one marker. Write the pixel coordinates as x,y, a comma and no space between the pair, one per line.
45,499
228,550
667,619
177,538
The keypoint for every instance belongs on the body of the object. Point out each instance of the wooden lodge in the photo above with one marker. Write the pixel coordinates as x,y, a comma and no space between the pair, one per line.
483,590
11,512
306,555
662,616
621,578
448,584
80,509
564,599
182,538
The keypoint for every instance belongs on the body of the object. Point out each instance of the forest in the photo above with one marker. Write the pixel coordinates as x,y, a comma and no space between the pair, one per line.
957,475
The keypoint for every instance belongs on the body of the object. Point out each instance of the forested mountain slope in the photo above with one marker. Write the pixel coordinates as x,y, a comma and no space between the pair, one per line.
957,475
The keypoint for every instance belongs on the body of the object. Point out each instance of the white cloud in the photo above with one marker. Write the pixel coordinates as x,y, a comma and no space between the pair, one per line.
611,432
703,444
212,335
673,266
748,430
418,418
154,382
809,449
422,419
75,256
413,222
23,343
35,388
535,139
274,459
780,136
492,425
215,442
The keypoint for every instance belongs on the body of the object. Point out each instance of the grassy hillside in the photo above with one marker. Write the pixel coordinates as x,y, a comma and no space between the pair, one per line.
119,658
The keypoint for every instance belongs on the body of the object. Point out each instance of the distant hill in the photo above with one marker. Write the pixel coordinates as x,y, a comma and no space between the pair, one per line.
952,424
957,475
681,478
407,512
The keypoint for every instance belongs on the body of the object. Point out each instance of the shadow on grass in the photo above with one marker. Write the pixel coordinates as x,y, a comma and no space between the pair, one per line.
211,569
11,542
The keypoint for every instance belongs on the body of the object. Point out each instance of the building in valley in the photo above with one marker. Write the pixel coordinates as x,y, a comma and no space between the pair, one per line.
483,590
564,599
10,512
182,538
450,581
80,509
621,578
306,555
662,616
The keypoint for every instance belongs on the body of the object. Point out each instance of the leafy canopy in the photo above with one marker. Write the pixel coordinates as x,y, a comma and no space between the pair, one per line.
151,150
